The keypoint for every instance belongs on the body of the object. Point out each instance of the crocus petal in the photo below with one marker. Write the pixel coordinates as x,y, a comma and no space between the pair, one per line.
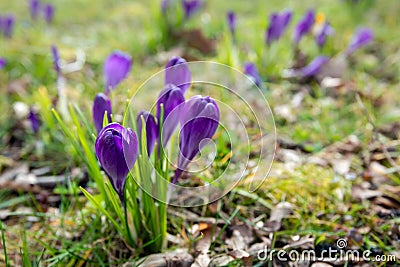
313,67
171,97
34,120
178,73
48,10
116,150
199,122
251,71
151,129
34,7
3,62
101,104
190,7
361,37
323,33
8,26
278,23
116,68
56,59
231,17
304,26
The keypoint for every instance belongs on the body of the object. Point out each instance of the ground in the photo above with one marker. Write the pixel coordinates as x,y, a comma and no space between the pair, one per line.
335,176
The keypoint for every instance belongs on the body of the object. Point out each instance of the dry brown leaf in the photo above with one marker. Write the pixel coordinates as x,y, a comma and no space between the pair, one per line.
359,193
282,210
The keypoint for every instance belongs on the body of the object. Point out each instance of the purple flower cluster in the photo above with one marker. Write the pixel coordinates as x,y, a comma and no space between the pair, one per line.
117,147
7,23
47,9
190,7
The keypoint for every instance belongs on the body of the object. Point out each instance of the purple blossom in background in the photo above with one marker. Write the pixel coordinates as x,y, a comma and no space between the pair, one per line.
313,67
116,68
199,122
323,33
278,23
34,120
48,10
177,73
117,149
101,104
231,17
3,62
190,7
164,5
34,8
56,59
8,25
361,37
251,71
304,26
171,97
151,129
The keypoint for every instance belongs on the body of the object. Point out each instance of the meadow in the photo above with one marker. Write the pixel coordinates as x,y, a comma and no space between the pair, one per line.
292,147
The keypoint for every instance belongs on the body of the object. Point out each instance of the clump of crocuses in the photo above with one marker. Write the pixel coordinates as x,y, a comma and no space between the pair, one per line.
37,8
121,151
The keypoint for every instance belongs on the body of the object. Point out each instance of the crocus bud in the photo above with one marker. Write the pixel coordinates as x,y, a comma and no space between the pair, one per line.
323,33
164,5
199,122
251,71
34,7
171,98
3,62
361,37
116,68
101,104
190,7
313,67
278,23
48,11
34,120
304,26
116,150
231,17
151,129
56,59
178,73
8,25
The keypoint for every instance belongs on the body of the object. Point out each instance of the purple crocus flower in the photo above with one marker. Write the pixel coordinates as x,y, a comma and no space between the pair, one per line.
231,17
101,104
56,59
8,25
178,73
361,37
304,26
34,6
190,7
277,25
199,122
164,5
313,67
171,97
323,33
3,62
251,71
151,129
116,150
34,120
116,68
48,10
